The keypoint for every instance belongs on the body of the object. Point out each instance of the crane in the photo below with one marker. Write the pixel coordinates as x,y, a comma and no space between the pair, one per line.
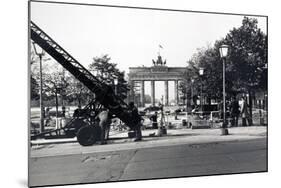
83,126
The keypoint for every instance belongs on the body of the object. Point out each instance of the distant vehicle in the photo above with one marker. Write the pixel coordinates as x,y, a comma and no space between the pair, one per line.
52,113
142,113
179,110
206,109
209,108
34,132
181,104
152,108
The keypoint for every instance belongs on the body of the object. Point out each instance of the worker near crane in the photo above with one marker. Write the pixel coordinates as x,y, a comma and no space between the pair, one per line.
153,118
136,121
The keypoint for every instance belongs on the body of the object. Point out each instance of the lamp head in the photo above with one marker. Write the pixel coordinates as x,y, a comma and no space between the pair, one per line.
223,50
38,50
115,81
201,71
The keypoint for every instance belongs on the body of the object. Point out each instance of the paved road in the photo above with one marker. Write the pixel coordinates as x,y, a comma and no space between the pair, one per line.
155,162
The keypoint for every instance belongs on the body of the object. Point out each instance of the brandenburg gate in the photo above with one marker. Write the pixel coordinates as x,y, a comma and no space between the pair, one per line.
157,72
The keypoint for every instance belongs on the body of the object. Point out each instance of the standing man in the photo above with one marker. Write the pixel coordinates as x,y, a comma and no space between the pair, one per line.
220,108
105,121
47,115
234,110
153,118
244,112
136,120
63,111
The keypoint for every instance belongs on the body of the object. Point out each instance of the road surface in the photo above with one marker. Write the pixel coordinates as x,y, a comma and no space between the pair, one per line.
149,163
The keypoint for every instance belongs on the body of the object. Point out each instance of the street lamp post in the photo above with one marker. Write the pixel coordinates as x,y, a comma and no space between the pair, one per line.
223,53
191,102
201,72
58,89
39,52
265,107
115,85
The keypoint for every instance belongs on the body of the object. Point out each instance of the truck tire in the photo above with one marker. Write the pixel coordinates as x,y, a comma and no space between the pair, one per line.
88,135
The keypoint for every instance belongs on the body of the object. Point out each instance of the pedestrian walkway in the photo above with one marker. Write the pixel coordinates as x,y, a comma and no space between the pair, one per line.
120,141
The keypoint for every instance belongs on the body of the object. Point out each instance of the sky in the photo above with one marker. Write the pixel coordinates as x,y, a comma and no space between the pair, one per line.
131,37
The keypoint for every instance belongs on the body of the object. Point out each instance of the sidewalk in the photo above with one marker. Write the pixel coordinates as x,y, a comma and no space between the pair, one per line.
120,141
151,134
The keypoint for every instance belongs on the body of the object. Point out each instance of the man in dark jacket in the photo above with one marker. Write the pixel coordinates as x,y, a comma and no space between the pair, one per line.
136,120
234,110
244,112
153,118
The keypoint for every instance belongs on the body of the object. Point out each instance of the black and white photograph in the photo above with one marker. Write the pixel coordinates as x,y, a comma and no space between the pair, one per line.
125,93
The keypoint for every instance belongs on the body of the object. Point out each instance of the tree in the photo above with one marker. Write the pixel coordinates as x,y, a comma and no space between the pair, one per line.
78,92
34,89
248,58
211,81
58,84
35,74
106,72
34,85
55,84
208,59
248,55
246,66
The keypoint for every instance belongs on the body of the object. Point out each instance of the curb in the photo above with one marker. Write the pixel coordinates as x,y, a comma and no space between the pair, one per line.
52,142
74,140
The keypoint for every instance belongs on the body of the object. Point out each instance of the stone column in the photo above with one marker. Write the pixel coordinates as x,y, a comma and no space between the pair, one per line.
176,92
142,94
166,93
152,92
132,93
